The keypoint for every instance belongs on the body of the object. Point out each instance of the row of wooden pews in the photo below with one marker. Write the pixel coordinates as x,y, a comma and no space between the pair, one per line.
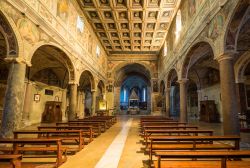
56,140
171,144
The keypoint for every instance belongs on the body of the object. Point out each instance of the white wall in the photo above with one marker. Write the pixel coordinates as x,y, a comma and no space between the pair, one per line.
37,108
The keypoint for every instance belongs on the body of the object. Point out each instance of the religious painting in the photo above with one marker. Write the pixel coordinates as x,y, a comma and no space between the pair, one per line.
216,26
28,30
62,9
109,88
191,7
155,86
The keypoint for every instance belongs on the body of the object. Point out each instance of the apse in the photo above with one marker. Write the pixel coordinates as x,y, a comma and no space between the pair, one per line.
134,93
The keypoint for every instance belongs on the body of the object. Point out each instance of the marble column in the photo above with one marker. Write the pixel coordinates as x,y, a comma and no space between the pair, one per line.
93,105
72,102
82,110
14,99
167,102
64,104
229,102
27,103
183,100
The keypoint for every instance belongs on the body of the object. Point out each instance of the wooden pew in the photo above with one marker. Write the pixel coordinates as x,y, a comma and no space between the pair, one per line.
14,159
103,123
163,132
87,130
65,135
96,127
161,143
19,146
164,125
223,155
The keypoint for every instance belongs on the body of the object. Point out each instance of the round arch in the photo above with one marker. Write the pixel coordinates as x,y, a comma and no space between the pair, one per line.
233,25
170,76
87,75
64,57
126,63
12,35
101,85
241,65
193,55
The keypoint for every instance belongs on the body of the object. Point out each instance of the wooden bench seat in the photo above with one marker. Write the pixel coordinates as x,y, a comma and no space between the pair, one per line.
38,144
65,135
87,131
14,159
200,164
96,127
222,155
198,142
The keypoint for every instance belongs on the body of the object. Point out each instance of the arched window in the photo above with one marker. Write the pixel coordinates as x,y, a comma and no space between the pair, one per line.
165,49
178,24
80,24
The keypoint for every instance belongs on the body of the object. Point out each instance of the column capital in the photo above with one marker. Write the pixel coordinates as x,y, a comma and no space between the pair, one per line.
73,83
182,81
93,90
225,56
18,60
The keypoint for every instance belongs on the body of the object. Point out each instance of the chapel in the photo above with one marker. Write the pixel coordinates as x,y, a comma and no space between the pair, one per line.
125,83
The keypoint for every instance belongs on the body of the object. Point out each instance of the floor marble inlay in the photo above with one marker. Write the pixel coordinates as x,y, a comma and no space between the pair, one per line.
112,155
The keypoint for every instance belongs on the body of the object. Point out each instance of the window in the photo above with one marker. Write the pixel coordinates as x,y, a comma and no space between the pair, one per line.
98,51
178,25
79,24
165,49
144,95
124,95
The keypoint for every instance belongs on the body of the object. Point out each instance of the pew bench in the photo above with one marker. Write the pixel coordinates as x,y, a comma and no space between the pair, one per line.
166,143
86,130
206,156
162,132
64,135
14,159
23,145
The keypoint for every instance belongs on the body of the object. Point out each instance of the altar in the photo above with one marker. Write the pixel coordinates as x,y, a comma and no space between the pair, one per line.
133,108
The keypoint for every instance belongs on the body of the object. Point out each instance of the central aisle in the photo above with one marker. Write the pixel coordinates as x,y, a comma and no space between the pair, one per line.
117,147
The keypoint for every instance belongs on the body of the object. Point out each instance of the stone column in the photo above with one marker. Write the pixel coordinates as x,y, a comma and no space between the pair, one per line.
199,99
167,102
27,103
229,102
183,100
78,103
93,105
64,104
14,99
82,110
72,101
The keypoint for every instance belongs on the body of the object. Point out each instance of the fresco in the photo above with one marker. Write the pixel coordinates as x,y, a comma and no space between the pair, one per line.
216,26
28,30
191,7
62,9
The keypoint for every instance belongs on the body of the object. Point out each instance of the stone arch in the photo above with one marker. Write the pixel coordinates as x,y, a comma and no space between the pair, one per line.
11,35
125,63
101,85
63,58
170,76
162,87
87,75
241,65
237,18
192,56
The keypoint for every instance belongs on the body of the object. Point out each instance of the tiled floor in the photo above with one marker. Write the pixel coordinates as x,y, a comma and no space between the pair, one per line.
121,146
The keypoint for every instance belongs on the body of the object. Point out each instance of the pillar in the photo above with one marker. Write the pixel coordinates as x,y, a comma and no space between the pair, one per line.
78,104
199,93
64,104
167,102
27,103
229,102
183,100
14,99
72,102
93,105
82,110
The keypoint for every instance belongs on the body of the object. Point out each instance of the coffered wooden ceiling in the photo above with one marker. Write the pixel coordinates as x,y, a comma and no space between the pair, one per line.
130,26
